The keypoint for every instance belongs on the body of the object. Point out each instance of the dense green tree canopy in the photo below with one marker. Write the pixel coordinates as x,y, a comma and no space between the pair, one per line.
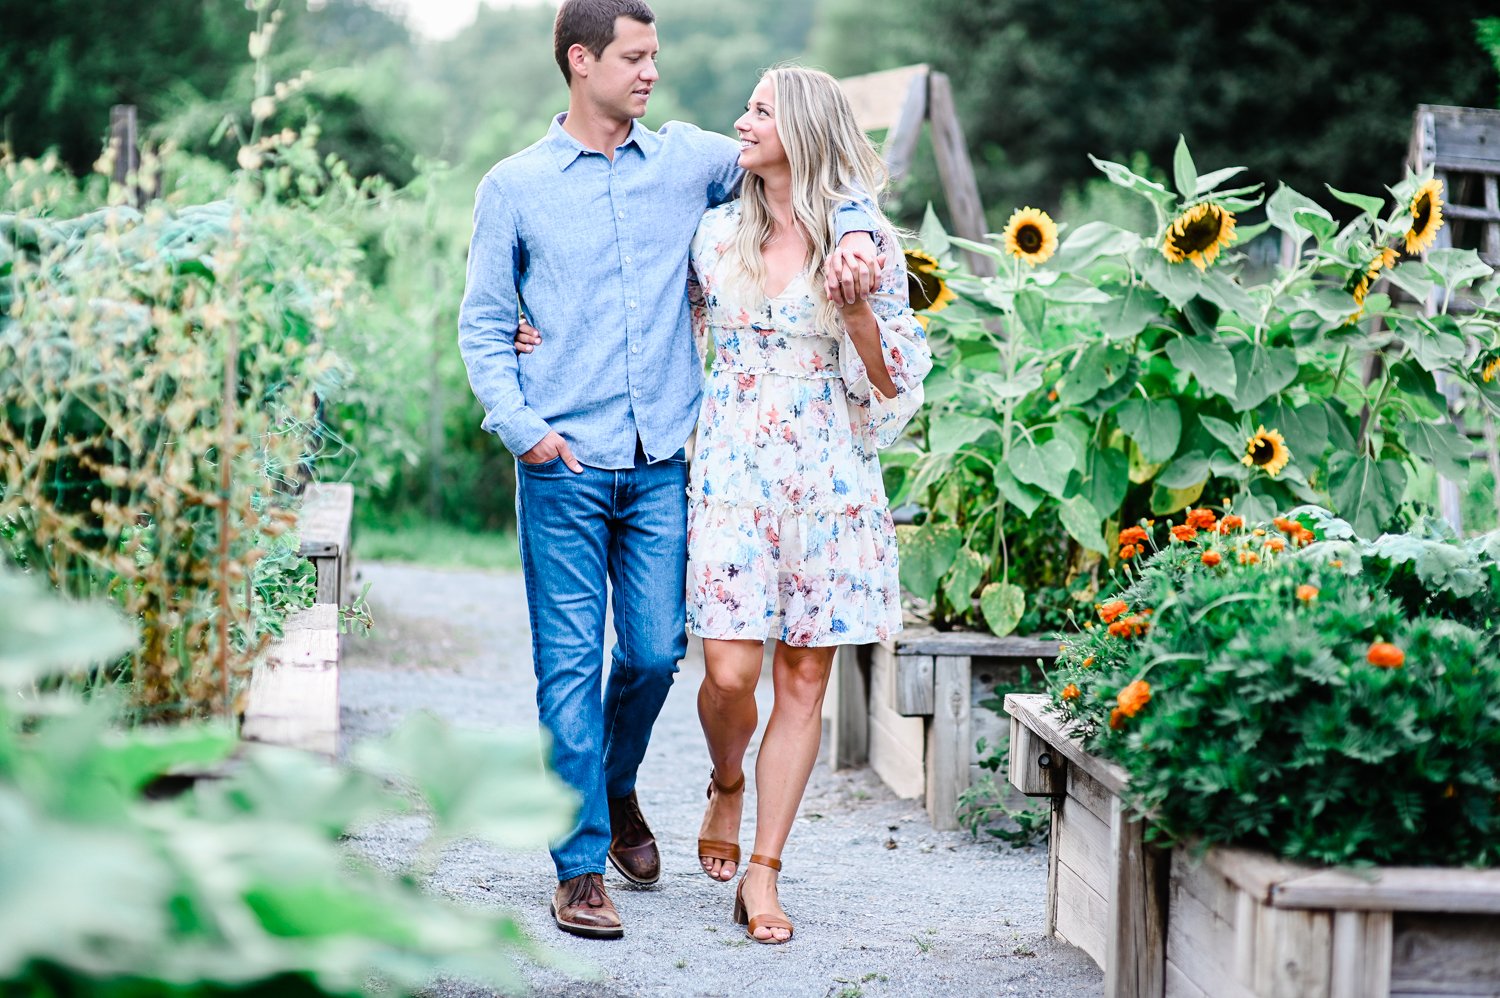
1305,93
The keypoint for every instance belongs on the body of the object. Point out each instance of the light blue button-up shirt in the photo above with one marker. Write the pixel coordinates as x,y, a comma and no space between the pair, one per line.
594,251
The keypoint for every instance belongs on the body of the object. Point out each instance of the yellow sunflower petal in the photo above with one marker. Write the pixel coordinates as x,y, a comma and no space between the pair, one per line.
1031,236
1426,216
1267,450
1198,234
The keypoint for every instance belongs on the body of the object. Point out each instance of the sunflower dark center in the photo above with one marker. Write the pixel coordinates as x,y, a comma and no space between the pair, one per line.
1421,212
922,288
1262,450
1029,238
1199,234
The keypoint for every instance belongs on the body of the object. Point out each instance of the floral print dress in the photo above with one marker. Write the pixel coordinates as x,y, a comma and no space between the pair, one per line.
789,531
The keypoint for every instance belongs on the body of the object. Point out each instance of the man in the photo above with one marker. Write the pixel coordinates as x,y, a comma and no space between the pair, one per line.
587,232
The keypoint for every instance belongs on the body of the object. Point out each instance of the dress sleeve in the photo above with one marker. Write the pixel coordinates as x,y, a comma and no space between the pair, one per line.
903,344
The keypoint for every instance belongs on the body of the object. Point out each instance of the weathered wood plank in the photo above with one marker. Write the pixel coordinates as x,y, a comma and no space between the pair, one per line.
926,641
913,687
1179,985
1201,935
1054,849
849,729
1136,943
1293,953
901,140
949,745
1463,138
955,170
1085,790
1391,888
1035,769
323,522
1361,954
1445,955
1084,843
877,98
293,696
897,744
1082,914
1029,707
1256,873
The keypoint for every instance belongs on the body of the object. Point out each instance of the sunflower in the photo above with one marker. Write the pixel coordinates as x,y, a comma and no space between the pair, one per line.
1031,236
927,291
1267,450
1426,216
1198,234
1490,367
1359,284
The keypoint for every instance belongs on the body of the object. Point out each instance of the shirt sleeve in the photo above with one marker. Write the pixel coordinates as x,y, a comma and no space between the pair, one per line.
854,215
488,318
903,344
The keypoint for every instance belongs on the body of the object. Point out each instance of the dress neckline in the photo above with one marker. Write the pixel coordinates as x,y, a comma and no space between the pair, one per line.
801,275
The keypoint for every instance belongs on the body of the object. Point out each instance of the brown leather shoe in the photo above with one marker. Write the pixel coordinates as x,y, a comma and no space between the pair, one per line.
632,847
582,907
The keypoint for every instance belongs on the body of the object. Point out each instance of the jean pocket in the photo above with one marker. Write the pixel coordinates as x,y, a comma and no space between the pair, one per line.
546,465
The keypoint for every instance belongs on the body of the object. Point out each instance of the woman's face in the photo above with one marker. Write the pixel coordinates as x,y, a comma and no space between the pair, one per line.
760,144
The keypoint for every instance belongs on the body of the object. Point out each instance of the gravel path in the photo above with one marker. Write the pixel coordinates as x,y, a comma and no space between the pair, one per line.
883,904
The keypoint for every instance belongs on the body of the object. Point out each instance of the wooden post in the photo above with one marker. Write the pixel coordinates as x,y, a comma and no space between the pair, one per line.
124,141
1036,769
956,171
914,684
849,741
1136,937
948,741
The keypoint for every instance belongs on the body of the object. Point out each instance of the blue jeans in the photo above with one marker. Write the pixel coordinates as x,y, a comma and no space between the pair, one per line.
577,530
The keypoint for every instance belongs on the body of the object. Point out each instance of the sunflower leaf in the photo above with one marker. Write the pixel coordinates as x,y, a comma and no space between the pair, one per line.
1128,312
1043,465
1225,433
933,237
1031,309
1184,173
1455,268
1211,363
1107,478
1412,278
1092,240
1188,470
1261,372
1082,522
1023,497
1286,207
1209,181
961,581
1179,283
1154,424
983,249
927,553
1003,605
1440,445
1364,202
951,430
1365,491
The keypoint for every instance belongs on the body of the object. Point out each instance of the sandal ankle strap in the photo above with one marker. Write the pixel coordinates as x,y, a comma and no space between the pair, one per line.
770,861
734,788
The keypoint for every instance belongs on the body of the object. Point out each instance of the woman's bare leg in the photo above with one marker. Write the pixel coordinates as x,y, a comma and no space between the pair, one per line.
726,709
787,754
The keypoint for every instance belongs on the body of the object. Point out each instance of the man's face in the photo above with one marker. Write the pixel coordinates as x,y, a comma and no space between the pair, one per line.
619,82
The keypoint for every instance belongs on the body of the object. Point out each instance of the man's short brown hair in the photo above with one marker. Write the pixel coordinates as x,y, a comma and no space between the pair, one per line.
591,23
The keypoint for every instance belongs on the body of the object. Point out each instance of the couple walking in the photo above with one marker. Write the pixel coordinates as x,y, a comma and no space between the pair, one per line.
618,244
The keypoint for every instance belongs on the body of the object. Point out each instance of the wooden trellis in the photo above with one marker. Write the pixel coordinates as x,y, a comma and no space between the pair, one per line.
899,101
1462,147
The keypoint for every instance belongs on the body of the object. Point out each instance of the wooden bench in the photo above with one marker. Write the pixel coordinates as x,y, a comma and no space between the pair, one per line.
324,522
909,708
294,687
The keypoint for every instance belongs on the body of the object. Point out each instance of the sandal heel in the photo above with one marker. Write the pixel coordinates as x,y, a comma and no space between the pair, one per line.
740,916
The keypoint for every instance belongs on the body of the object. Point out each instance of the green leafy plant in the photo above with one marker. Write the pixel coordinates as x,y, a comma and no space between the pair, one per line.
241,886
1301,690
1106,375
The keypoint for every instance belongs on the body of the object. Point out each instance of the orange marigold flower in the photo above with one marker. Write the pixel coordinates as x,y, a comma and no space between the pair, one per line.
1133,697
1111,611
1275,544
1052,395
1211,558
1202,519
1070,692
1307,592
1450,791
1284,525
1132,626
1088,662
1337,563
1249,558
1129,551
1116,718
1231,522
1258,532
1183,532
1385,655
1133,535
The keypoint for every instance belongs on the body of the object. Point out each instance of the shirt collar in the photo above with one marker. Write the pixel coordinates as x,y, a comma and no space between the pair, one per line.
565,148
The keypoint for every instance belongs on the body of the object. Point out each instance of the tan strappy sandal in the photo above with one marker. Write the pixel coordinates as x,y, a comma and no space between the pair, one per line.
718,848
760,921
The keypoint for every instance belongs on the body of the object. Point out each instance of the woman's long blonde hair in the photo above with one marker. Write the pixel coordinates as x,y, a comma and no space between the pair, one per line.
832,161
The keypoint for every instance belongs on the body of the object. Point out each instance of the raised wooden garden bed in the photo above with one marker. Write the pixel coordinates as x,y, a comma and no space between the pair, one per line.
294,687
1235,923
324,524
910,708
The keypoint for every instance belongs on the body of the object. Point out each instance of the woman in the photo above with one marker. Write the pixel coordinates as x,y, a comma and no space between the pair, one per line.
790,537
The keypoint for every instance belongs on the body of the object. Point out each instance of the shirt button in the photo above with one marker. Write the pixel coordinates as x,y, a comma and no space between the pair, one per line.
619,214
635,348
636,393
627,259
632,304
